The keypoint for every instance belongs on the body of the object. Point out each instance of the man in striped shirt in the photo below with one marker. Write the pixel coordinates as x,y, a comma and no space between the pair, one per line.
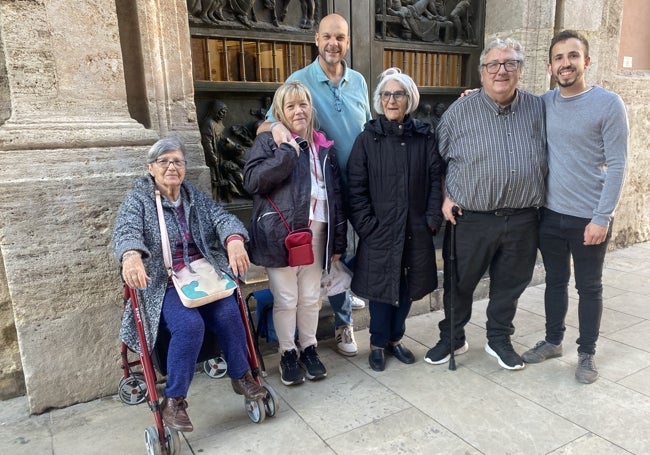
494,144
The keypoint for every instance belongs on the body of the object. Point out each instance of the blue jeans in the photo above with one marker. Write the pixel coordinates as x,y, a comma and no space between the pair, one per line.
340,303
560,238
342,308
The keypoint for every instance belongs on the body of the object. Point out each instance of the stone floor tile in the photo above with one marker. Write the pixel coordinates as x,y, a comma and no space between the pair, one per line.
613,412
637,261
632,282
631,303
590,444
21,434
635,336
527,323
639,381
613,321
289,434
348,398
482,413
409,432
616,361
532,300
215,408
127,424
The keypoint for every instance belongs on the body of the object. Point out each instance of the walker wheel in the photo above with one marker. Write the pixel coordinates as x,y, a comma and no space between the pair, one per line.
132,389
271,403
152,441
255,410
173,441
215,368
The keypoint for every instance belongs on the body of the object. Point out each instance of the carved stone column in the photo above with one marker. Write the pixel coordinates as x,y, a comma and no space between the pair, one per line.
74,76
64,77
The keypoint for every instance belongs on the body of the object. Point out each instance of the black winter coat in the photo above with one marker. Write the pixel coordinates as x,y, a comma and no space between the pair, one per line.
395,197
286,177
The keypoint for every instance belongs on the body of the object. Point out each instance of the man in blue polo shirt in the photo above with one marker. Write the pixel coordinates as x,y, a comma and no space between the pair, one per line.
340,97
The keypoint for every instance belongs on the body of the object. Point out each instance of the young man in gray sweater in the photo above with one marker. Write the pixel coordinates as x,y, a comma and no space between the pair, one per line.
587,132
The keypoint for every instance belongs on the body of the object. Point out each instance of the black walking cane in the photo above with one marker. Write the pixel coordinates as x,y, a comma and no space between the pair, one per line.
452,286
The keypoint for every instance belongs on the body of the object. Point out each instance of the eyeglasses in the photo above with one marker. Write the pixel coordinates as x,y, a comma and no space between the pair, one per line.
494,67
397,96
336,91
178,164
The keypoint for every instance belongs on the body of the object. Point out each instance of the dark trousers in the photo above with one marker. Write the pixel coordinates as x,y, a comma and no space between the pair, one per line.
560,238
387,321
187,327
507,246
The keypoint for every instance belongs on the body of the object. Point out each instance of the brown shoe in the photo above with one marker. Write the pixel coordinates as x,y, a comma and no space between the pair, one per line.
174,414
248,386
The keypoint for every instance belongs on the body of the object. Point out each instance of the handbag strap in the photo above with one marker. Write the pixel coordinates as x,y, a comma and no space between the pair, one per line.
279,213
167,251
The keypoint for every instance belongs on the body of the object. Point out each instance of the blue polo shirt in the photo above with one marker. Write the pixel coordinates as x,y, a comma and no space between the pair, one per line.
341,111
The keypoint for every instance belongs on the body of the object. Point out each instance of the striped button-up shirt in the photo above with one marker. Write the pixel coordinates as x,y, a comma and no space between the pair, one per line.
496,157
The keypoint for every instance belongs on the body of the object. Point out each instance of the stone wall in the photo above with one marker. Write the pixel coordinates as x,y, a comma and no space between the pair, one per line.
632,224
70,152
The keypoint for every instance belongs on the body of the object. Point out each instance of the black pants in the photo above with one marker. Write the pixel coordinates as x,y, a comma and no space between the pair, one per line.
560,238
507,246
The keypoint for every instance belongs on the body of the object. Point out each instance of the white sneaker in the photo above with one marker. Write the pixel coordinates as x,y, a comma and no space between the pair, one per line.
345,340
356,302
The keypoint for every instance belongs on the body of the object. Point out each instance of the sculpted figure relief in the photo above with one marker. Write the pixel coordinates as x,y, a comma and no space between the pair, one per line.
431,114
461,16
224,156
212,11
308,8
426,20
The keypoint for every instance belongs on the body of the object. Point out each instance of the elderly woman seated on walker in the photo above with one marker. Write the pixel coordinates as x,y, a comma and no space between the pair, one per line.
197,228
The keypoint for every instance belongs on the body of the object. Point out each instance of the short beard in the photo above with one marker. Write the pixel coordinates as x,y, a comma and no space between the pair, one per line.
567,83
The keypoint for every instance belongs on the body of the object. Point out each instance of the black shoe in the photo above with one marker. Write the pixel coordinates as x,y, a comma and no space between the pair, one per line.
376,359
505,354
441,352
290,372
314,368
401,353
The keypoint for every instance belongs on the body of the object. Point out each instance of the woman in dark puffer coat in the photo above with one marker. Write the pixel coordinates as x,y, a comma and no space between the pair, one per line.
303,180
394,175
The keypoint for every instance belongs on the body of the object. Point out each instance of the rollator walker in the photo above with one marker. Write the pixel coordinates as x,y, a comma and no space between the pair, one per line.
138,383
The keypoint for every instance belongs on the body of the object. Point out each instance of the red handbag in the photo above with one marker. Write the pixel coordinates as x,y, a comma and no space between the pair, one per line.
297,243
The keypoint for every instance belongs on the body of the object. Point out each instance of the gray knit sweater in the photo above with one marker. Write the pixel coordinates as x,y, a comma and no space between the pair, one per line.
136,228
587,153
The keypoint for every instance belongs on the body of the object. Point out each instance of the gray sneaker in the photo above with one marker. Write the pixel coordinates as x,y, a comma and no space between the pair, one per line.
586,371
543,350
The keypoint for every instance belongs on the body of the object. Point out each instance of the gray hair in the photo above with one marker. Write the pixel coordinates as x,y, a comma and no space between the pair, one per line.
408,84
498,43
164,145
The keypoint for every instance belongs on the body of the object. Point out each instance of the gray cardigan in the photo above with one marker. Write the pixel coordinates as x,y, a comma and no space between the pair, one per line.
136,228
